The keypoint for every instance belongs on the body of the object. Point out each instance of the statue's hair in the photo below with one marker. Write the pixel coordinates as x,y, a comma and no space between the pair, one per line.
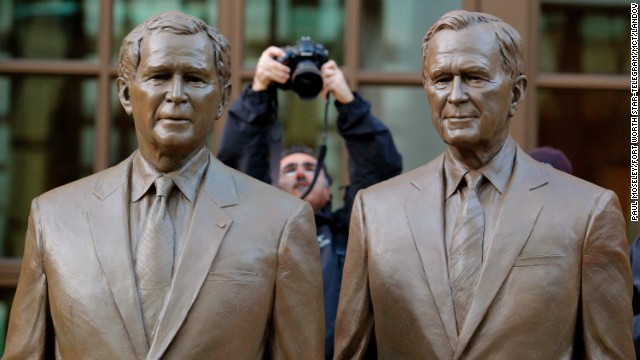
182,24
298,148
509,40
305,149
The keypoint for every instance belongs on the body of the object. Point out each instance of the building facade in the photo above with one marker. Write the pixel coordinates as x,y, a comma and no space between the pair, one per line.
60,118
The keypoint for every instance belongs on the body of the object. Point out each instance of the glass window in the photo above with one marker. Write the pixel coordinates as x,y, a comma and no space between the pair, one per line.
46,140
391,35
128,14
122,137
585,39
405,110
592,128
48,29
302,124
282,23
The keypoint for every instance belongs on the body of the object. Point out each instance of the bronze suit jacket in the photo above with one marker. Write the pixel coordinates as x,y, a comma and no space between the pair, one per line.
555,284
247,283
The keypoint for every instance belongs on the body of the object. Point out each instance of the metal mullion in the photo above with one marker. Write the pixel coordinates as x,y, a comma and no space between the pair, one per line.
9,272
246,74
49,67
351,66
103,111
231,24
385,78
352,42
582,81
471,5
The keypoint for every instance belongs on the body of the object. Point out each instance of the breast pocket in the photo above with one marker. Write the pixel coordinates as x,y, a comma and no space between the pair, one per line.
244,277
537,260
234,294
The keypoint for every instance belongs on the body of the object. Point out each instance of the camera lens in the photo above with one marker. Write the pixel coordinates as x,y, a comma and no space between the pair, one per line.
306,80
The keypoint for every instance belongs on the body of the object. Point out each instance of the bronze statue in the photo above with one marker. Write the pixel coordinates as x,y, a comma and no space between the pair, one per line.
483,253
169,254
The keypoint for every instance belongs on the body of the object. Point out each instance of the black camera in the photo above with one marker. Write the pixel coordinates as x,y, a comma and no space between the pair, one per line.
304,60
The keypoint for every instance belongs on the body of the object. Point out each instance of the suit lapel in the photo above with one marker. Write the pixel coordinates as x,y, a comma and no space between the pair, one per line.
426,221
108,218
209,224
517,217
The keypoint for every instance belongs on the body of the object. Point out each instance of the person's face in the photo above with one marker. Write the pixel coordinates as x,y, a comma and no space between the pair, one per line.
175,95
296,174
471,96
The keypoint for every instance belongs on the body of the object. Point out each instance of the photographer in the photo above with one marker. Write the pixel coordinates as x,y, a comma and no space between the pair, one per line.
248,140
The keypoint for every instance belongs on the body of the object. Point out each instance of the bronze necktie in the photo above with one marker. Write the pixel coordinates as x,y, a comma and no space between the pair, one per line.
154,256
465,259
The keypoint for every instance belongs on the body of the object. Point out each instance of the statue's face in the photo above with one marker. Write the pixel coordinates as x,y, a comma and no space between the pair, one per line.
296,175
175,94
469,92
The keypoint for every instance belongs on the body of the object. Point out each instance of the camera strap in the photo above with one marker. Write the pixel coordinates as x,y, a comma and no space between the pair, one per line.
322,151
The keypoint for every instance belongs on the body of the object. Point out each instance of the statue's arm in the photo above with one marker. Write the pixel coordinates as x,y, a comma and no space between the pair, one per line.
28,322
298,313
606,284
354,323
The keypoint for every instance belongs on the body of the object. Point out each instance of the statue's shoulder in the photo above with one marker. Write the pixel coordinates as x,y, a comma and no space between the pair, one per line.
409,183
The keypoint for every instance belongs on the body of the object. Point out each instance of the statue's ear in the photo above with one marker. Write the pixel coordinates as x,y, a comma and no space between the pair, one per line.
518,92
224,100
123,94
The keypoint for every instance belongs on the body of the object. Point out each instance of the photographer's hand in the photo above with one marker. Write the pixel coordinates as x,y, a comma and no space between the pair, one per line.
269,69
335,82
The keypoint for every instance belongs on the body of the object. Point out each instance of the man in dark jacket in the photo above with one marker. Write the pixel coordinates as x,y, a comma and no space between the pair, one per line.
247,142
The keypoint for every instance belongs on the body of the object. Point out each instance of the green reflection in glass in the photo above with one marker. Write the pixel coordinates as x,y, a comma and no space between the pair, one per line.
302,123
122,137
404,109
584,39
592,129
283,23
391,35
46,140
128,14
48,29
